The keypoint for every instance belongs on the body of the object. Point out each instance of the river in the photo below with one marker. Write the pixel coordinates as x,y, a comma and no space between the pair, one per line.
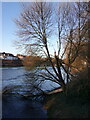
18,81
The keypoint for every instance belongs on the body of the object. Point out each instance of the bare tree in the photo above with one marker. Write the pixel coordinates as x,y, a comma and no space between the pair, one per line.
76,29
35,27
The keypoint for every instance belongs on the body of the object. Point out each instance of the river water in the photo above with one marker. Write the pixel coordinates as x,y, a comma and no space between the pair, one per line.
18,81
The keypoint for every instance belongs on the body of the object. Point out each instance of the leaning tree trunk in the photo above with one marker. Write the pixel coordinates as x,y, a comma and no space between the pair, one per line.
62,82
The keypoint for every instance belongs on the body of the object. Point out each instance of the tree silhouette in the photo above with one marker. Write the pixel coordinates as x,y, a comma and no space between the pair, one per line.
39,21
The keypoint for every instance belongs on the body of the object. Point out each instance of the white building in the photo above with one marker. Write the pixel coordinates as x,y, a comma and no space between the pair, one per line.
8,56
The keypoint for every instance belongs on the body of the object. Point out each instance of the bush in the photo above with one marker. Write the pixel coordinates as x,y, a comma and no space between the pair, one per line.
79,86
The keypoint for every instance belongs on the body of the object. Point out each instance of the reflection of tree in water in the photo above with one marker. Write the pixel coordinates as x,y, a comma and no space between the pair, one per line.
33,82
29,87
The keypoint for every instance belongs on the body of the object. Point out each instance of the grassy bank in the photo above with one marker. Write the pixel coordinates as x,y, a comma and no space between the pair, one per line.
74,104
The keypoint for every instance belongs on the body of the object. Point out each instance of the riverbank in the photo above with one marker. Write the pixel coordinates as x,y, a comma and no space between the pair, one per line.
74,104
58,105
11,63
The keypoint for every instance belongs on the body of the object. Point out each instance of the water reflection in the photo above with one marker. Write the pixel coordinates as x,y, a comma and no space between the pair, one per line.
24,81
15,107
19,83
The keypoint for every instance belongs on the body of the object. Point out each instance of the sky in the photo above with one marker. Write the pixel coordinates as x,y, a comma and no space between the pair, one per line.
10,11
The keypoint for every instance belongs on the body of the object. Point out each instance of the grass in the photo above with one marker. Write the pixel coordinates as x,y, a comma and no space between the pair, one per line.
59,106
73,105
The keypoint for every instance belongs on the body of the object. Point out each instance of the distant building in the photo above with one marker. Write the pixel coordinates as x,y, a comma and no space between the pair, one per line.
8,56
